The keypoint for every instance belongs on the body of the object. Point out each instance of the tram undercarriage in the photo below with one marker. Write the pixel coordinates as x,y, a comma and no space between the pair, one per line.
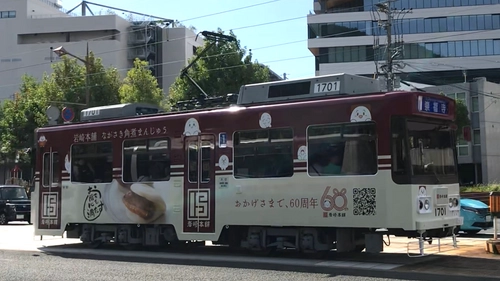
307,240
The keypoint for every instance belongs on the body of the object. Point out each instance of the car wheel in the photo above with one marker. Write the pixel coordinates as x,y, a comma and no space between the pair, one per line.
3,219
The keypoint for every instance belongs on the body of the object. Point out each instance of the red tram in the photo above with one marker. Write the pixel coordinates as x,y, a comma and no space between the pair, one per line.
312,164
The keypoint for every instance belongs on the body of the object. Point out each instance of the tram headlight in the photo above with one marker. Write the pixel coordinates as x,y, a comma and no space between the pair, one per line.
424,205
454,202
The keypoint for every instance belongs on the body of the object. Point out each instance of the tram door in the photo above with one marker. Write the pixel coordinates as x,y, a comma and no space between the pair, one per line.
199,184
49,191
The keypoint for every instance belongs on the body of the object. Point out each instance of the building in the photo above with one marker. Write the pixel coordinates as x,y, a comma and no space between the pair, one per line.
479,159
30,28
441,41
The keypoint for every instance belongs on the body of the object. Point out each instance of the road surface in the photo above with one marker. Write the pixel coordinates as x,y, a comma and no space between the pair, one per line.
25,257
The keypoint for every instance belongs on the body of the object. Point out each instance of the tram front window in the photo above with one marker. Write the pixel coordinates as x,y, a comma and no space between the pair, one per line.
423,152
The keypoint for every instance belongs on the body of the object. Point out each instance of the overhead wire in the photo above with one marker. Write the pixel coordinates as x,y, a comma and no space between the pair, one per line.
227,67
261,24
132,31
454,85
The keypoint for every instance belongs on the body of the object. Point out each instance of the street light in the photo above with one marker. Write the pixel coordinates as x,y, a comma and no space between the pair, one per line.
60,51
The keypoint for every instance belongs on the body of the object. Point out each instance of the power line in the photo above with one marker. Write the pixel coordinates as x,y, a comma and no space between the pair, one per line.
217,55
491,95
132,31
232,10
275,45
182,38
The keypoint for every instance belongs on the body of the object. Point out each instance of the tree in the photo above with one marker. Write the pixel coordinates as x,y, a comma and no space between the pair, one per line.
222,70
68,80
26,112
461,116
21,116
140,86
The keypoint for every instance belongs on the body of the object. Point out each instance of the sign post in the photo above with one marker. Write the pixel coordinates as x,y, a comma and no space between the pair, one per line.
68,114
493,245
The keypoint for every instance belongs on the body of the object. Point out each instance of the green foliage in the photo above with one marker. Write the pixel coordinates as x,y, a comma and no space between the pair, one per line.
461,116
140,86
67,86
223,69
67,83
480,188
21,116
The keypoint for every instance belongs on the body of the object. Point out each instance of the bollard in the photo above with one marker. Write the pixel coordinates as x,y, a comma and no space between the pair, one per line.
495,210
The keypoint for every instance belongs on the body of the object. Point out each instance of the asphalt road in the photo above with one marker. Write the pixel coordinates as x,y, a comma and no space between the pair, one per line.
38,266
22,259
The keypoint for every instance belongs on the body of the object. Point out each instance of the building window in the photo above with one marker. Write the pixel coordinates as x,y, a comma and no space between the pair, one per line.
476,138
462,146
448,49
475,104
264,153
405,26
92,162
342,149
7,14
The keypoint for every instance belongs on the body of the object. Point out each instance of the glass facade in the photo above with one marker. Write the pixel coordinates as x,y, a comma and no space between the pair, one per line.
367,5
406,26
466,48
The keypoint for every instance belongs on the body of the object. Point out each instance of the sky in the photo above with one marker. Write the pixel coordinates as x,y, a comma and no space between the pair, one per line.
276,30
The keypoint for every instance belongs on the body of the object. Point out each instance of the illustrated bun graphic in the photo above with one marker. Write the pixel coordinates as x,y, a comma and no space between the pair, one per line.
144,204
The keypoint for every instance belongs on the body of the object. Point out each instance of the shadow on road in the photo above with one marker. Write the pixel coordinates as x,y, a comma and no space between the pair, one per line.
426,268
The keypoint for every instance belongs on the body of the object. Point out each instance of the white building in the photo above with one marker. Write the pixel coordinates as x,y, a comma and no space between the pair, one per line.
441,38
30,28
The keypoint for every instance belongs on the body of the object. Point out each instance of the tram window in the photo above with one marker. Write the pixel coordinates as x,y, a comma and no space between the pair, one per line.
193,164
399,158
423,152
431,148
56,169
92,162
46,169
146,160
342,149
264,153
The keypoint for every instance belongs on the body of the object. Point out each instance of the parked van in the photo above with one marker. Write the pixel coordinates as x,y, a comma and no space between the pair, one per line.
14,204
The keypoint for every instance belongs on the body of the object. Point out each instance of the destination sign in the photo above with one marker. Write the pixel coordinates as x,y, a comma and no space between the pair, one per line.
433,105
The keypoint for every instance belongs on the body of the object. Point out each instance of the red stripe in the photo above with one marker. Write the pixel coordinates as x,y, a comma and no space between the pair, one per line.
299,164
384,161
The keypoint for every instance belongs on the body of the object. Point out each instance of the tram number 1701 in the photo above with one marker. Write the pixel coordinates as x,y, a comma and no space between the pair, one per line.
326,87
440,211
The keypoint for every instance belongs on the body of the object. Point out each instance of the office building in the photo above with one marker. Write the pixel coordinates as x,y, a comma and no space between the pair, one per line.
30,28
440,41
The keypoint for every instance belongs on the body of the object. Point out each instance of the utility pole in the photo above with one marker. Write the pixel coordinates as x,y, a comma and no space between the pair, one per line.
393,49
